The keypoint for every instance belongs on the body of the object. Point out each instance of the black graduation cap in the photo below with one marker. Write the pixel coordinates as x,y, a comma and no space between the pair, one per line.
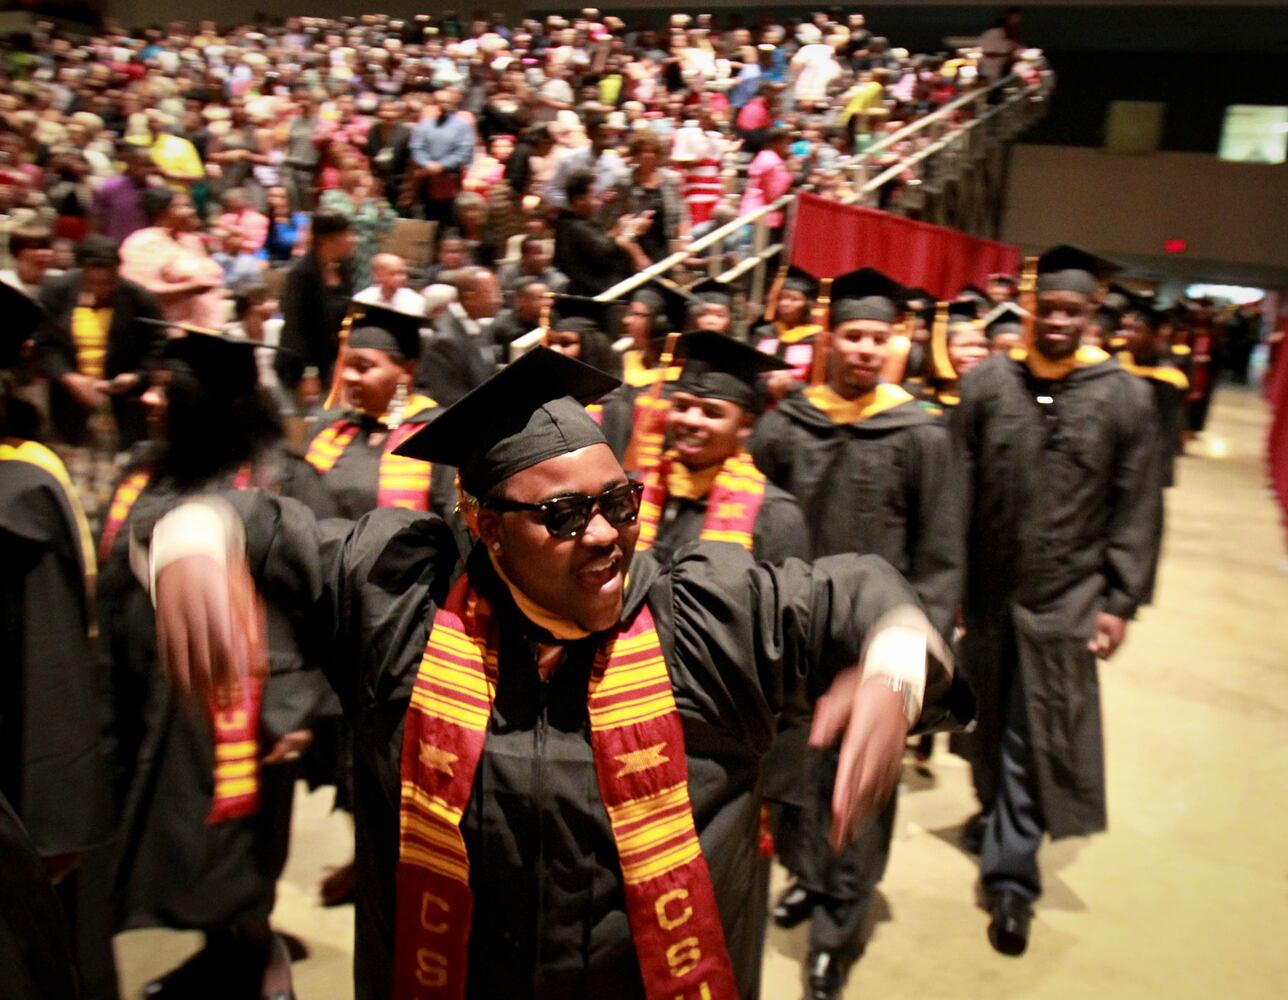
964,307
800,281
1067,268
1116,298
973,292
528,412
384,329
709,291
224,365
1006,318
719,367
867,294
666,300
24,315
583,308
1143,307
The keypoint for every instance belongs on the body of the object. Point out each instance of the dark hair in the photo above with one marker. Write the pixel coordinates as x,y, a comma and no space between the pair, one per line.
580,183
156,202
98,250
206,436
596,349
527,283
330,223
247,295
29,238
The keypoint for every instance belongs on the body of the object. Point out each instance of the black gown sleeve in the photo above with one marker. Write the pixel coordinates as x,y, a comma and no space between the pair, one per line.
937,532
771,448
780,532
1135,501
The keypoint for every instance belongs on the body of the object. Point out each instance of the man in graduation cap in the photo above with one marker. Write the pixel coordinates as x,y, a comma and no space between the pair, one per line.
557,771
869,466
205,803
54,771
1057,443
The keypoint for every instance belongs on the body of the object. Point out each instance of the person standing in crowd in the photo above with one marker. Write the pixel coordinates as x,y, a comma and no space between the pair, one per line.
556,521
1058,446
1000,43
287,230
958,343
169,259
54,768
206,802
651,188
599,158
118,201
315,300
31,250
768,177
370,215
697,150
461,353
441,148
870,469
303,153
593,256
388,149
95,348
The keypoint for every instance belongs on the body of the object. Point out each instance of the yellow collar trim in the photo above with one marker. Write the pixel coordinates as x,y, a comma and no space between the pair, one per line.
1044,368
795,334
636,375
682,483
1159,373
560,628
851,411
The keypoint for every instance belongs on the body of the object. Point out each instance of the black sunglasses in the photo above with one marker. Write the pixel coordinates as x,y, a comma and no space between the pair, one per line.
568,516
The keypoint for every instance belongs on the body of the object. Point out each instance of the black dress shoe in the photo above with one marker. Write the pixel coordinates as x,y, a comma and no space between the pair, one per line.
1008,932
826,975
973,833
793,907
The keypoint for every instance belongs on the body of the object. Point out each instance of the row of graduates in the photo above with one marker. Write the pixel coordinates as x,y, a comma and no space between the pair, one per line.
851,465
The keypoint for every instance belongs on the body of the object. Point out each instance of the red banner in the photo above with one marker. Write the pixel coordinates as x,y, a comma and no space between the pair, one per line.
832,239
1277,439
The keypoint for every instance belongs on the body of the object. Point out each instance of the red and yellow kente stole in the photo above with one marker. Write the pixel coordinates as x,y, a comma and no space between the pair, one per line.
235,729
732,502
403,482
638,746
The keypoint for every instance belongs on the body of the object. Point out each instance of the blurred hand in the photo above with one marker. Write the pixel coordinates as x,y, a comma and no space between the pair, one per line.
210,626
289,747
780,383
1110,631
84,390
871,714
122,383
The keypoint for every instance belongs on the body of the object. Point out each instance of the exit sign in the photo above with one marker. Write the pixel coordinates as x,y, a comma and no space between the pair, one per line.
1175,246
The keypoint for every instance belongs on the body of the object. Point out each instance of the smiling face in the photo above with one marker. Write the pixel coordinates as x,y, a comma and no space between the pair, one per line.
859,351
1058,323
580,579
967,347
706,431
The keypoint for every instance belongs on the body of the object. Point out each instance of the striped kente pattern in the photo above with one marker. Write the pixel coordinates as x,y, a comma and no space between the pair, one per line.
638,747
127,492
648,419
403,482
732,505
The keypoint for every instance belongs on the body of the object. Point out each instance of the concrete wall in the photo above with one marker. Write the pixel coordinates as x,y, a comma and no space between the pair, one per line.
1234,215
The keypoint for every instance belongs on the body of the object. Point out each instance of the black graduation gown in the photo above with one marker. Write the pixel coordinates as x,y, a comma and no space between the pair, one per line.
174,869
55,710
36,958
548,912
779,531
1064,514
882,486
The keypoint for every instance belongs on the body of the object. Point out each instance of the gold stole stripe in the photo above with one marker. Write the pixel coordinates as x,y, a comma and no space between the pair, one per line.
733,502
401,481
638,746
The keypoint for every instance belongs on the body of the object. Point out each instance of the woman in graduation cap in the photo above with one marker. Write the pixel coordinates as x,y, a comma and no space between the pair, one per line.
380,408
958,342
206,802
54,770
557,771
1057,445
870,468
790,335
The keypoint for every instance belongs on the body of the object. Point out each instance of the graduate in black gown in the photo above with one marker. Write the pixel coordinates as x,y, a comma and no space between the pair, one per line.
790,335
54,705
182,862
869,466
544,608
1059,445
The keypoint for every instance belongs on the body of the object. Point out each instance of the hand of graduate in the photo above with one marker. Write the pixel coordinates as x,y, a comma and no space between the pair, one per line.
210,625
1109,633
872,716
289,747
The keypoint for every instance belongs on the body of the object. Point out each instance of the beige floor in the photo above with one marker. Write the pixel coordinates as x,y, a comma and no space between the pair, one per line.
1186,897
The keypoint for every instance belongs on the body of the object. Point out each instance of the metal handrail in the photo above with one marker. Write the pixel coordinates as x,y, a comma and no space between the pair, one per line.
857,193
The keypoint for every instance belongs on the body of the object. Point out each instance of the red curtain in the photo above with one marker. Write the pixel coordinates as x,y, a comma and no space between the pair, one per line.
1277,440
831,239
